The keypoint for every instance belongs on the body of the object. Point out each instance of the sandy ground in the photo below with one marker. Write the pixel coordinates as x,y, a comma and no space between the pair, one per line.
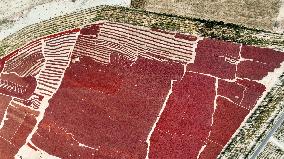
279,25
16,14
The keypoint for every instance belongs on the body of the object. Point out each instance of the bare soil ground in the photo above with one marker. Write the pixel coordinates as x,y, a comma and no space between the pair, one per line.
252,13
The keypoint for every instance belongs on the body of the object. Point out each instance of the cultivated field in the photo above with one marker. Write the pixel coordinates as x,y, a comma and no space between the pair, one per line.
152,84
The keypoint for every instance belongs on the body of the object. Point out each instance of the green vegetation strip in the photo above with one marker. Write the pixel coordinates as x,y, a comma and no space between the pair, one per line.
138,3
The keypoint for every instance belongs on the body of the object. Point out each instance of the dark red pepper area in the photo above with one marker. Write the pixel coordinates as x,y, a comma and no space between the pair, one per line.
108,110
